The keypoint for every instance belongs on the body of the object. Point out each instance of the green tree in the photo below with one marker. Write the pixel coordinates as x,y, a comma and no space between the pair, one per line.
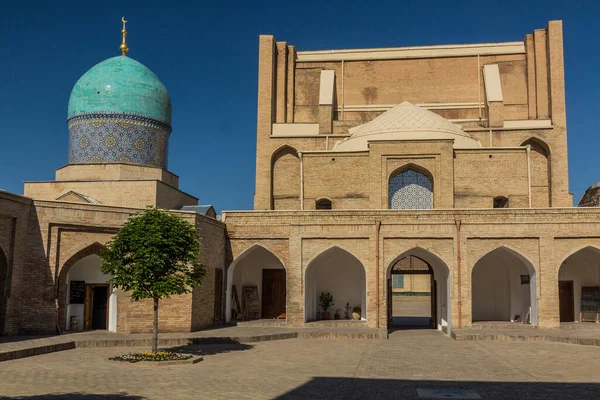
153,256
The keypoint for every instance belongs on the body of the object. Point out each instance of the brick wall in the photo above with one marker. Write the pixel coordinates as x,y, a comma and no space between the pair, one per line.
532,80
342,178
105,172
480,176
543,237
52,236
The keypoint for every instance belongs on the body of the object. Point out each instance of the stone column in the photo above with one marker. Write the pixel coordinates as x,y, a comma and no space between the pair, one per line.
547,282
295,280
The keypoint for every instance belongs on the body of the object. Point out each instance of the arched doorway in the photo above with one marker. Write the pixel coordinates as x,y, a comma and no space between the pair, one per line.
90,301
412,287
503,288
418,291
339,273
579,286
3,289
256,286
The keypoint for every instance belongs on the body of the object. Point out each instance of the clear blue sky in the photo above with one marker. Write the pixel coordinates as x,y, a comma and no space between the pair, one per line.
206,55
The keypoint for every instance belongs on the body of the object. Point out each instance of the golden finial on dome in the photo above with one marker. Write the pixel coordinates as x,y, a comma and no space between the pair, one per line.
124,49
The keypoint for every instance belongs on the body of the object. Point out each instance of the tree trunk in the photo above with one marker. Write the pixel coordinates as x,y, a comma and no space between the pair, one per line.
155,327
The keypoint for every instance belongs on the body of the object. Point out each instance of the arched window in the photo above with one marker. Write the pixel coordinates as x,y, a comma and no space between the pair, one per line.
500,202
323,204
410,189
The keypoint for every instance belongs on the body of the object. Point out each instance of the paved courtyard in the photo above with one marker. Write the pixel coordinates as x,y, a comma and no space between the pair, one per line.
318,369
411,310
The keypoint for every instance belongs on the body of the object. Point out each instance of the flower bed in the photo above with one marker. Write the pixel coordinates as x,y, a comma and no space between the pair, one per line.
149,356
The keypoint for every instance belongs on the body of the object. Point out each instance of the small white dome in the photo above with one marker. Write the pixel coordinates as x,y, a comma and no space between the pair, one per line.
405,122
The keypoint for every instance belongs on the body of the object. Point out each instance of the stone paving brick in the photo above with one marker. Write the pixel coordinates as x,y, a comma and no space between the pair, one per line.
319,369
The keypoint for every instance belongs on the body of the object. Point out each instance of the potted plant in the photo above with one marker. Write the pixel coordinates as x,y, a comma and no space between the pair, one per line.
356,313
337,314
347,311
326,302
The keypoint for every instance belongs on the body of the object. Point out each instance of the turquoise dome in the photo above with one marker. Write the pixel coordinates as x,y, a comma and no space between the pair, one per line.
121,85
119,112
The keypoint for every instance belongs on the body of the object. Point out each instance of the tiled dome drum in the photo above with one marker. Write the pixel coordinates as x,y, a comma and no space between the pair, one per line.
119,112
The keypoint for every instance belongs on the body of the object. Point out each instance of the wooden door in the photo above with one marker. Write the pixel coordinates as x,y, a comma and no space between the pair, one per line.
390,306
566,301
273,293
433,289
87,310
100,299
218,296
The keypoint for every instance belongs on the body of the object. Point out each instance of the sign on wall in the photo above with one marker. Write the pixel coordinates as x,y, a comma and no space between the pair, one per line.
77,292
590,298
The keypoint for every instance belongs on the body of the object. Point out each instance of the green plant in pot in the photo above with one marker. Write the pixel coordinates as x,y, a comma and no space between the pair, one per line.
326,302
347,309
337,314
356,313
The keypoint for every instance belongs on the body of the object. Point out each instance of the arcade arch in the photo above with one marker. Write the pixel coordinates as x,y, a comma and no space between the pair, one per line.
338,272
256,267
503,288
579,272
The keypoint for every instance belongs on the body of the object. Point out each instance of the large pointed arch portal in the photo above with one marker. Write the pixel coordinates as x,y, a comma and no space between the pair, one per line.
413,293
418,291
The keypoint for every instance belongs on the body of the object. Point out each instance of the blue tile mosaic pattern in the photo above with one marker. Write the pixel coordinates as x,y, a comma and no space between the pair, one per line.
117,138
410,190
121,84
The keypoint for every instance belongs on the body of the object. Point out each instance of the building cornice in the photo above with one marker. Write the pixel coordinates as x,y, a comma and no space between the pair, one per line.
392,53
469,216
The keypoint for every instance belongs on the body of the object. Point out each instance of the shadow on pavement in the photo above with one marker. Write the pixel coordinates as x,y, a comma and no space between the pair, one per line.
358,388
13,339
209,349
74,396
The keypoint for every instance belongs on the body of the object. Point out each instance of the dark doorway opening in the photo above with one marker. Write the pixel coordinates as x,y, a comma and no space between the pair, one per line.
3,289
96,307
218,320
566,301
412,295
273,294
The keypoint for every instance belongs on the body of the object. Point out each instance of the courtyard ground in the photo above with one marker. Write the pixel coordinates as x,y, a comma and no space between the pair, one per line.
411,310
318,369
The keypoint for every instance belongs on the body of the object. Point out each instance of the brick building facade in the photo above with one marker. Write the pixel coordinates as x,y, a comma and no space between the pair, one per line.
446,161
455,155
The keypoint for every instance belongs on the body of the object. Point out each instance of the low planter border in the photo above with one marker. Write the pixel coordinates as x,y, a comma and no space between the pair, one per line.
192,360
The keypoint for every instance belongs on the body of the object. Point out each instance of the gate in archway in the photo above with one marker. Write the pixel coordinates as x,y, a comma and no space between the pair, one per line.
411,266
